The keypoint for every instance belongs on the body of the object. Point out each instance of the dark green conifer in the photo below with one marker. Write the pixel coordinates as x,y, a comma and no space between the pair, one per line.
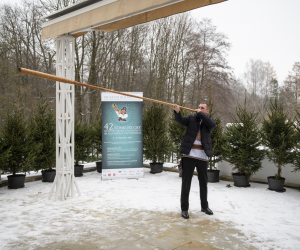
17,145
156,142
96,133
296,152
5,153
279,136
176,132
217,140
241,141
43,132
83,141
216,136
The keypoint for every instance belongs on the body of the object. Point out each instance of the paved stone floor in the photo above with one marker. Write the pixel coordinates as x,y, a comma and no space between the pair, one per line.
144,230
130,230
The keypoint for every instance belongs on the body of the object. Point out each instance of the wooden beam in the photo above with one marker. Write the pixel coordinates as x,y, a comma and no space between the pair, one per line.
65,80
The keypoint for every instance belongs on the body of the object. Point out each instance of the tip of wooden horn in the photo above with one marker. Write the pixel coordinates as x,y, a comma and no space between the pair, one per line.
20,69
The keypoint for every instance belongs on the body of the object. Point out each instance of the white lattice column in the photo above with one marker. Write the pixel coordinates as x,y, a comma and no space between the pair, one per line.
65,182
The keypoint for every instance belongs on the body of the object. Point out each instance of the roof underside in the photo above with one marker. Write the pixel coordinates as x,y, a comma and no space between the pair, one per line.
111,15
70,9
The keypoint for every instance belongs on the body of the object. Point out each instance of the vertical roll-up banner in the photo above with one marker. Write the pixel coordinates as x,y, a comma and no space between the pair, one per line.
122,136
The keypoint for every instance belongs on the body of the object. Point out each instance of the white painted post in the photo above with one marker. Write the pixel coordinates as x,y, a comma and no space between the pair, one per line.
65,179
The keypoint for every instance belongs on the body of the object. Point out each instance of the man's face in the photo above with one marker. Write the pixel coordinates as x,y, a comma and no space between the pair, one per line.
123,112
203,108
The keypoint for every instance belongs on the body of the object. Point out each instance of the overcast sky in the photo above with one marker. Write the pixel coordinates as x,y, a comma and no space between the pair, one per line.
257,29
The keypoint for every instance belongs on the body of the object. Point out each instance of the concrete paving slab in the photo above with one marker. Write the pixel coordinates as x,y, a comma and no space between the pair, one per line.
146,230
196,245
167,240
70,246
136,230
229,239
139,244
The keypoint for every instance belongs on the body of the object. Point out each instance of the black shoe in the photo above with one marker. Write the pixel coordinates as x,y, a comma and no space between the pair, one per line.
185,214
207,211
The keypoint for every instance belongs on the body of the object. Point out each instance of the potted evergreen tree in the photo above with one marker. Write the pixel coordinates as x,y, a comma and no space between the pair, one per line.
96,134
176,135
18,147
156,143
43,132
217,143
217,151
279,136
296,152
82,144
5,154
241,141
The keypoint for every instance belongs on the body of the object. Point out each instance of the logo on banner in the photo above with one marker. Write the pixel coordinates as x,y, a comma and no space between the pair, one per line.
123,113
109,174
114,174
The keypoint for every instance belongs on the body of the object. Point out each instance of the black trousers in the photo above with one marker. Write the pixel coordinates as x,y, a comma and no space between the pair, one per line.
188,166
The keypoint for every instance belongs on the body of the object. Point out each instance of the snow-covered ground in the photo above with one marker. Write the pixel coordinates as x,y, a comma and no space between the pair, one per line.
268,219
39,173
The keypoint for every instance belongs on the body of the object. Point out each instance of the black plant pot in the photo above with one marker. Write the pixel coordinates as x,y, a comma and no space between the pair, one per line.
78,170
99,166
213,175
16,181
276,185
48,175
156,167
180,171
240,180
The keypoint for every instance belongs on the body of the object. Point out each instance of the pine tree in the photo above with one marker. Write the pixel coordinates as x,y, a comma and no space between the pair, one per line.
96,133
216,135
17,144
156,143
278,135
83,141
217,143
177,132
296,153
241,141
43,133
5,153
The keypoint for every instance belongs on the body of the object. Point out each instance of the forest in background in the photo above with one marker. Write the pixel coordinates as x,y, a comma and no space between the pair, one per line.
174,59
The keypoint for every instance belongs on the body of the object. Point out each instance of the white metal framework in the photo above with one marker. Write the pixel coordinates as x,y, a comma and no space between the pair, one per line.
65,178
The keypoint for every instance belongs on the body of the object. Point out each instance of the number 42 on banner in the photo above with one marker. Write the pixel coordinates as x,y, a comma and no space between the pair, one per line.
108,126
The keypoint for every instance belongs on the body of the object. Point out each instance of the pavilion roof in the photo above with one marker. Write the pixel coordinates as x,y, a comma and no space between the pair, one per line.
111,15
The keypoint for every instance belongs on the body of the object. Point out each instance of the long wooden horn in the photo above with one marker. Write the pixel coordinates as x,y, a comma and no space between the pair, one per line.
65,80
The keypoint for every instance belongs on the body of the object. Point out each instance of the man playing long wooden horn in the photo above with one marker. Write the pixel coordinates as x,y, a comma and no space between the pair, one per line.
196,148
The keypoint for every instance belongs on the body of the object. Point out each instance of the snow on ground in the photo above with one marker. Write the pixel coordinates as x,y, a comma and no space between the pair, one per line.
269,218
39,172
